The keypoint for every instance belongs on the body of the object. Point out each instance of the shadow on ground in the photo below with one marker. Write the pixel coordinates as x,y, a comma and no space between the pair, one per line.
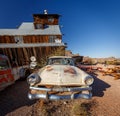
14,97
99,86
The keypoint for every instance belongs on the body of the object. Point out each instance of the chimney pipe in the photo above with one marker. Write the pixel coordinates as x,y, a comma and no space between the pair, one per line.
45,12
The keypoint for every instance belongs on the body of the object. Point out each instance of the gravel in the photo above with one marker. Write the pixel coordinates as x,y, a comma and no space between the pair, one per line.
105,101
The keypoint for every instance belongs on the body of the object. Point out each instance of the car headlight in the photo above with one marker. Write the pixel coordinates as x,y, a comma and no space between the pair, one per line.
89,80
33,79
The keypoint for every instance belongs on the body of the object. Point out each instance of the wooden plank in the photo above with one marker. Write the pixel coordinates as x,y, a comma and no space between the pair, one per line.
34,52
26,55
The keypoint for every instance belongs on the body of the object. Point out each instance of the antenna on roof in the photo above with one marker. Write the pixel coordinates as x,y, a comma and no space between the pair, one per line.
45,12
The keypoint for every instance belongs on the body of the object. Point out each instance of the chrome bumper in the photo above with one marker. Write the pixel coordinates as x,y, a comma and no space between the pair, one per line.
59,97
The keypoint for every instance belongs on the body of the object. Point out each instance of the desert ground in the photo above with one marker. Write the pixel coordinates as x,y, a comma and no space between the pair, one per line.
105,101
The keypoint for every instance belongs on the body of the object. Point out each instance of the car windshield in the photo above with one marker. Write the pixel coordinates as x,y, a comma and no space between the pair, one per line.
60,61
4,64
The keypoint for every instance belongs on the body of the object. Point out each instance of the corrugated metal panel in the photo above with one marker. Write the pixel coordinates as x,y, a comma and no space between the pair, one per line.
30,45
28,29
27,25
7,31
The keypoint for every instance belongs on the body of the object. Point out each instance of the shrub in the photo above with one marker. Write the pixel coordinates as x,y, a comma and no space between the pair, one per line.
57,52
80,109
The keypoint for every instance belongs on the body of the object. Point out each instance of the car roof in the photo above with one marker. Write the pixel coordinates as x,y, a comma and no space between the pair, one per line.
60,57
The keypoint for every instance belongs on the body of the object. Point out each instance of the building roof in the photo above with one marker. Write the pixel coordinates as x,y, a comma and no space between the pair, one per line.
46,15
28,29
7,31
60,57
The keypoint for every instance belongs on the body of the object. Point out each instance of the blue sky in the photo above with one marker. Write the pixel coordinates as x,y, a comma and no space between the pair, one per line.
90,27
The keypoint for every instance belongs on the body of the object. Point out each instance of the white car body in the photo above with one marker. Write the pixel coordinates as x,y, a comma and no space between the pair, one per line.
60,79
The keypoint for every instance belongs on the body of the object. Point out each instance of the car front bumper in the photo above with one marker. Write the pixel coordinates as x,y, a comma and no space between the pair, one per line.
76,92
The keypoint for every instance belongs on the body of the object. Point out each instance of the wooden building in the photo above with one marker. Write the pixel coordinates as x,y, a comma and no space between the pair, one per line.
38,38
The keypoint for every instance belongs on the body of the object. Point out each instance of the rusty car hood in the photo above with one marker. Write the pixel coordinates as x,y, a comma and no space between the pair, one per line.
61,75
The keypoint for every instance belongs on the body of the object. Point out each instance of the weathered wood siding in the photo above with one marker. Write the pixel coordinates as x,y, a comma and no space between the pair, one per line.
44,19
22,55
28,39
7,39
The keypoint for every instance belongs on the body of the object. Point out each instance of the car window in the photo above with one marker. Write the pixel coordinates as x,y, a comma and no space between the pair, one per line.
4,64
69,61
60,61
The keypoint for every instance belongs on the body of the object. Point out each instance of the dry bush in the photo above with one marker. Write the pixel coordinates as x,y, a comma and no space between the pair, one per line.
78,107
115,72
81,109
57,52
116,76
42,109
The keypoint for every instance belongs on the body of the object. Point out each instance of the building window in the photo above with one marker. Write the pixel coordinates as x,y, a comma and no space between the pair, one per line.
39,26
58,40
51,19
52,39
18,39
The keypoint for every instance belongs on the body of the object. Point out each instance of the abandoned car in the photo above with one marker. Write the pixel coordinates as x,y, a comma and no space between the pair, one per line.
60,79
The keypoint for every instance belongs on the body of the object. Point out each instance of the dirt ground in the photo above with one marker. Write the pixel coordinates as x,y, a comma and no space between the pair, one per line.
105,101
107,96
